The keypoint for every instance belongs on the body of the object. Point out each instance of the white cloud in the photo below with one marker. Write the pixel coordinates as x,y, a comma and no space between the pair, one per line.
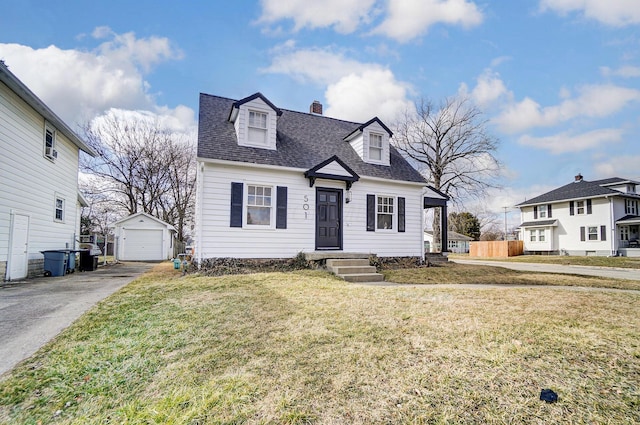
567,142
626,71
355,91
594,101
610,12
408,19
360,97
621,166
488,90
319,66
77,85
343,15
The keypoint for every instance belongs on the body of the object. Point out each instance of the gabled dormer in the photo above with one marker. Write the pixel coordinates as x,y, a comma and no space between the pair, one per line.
255,119
371,142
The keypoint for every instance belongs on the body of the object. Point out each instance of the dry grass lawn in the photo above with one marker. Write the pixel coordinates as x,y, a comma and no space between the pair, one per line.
307,348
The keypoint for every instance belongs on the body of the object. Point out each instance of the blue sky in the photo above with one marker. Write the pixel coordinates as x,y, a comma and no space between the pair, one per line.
559,80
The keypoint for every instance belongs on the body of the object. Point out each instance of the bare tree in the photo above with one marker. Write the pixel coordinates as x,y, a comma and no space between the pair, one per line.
449,144
140,166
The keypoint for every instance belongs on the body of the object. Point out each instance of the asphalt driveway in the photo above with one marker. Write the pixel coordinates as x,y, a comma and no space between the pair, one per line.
34,311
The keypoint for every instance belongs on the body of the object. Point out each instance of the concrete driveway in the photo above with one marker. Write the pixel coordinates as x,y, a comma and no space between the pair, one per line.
34,311
608,272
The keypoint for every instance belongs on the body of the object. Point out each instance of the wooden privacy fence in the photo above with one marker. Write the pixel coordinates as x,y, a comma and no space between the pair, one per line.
496,248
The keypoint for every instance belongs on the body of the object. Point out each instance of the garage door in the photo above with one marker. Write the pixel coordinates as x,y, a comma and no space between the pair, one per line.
142,245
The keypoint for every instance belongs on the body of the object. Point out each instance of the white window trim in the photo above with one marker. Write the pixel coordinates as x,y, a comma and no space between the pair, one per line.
57,198
631,206
248,141
384,149
542,211
49,152
584,208
245,206
380,148
394,215
586,234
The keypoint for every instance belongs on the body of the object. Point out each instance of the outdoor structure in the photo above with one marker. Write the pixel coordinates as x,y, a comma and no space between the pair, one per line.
457,243
39,199
598,217
273,183
142,237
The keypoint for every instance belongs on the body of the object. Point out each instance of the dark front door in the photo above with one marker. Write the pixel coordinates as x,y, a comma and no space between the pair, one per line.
328,218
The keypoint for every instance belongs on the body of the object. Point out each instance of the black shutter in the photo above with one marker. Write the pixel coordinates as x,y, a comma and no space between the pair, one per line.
535,212
582,234
571,212
371,213
236,204
401,214
603,233
281,207
549,211
588,206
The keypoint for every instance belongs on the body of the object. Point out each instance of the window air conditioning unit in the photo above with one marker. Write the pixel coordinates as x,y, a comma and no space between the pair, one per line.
51,153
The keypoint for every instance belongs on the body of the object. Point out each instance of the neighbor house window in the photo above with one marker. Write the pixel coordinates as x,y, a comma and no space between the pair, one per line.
375,146
385,211
592,233
259,205
631,206
580,207
542,210
537,235
59,211
624,233
50,142
533,237
257,127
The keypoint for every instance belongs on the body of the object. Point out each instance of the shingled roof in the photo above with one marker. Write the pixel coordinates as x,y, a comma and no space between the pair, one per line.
303,141
581,189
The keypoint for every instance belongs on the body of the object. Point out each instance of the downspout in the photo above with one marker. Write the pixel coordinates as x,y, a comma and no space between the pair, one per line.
614,250
421,203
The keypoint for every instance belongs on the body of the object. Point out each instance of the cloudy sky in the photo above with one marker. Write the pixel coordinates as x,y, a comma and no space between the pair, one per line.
559,80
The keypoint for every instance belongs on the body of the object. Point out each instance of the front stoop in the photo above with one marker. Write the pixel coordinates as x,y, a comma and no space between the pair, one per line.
354,270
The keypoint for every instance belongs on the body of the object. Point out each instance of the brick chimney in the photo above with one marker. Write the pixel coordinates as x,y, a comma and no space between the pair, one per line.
316,108
578,178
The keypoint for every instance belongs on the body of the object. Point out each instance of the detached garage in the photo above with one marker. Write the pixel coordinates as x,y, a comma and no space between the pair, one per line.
142,237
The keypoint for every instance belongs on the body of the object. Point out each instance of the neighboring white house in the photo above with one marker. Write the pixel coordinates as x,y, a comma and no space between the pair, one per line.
142,237
584,218
39,199
458,243
273,183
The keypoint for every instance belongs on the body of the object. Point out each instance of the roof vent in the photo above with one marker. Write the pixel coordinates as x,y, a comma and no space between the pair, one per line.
316,108
578,178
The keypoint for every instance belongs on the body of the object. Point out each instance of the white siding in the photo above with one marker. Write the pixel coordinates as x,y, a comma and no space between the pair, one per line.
217,239
30,181
566,236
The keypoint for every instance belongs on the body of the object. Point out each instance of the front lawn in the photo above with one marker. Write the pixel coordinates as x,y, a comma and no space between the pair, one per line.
305,348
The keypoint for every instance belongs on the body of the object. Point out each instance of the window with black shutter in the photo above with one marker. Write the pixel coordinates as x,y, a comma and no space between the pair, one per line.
281,207
401,215
236,204
371,213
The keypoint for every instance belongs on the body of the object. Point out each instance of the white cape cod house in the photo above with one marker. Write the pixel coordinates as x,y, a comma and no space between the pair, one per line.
273,183
598,217
39,199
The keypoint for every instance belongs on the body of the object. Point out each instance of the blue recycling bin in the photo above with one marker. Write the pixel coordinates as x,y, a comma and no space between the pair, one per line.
55,262
71,260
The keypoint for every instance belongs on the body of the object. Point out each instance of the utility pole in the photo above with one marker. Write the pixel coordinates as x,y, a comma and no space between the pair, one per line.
505,222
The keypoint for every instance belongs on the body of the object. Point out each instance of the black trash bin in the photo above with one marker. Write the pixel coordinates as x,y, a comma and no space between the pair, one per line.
88,261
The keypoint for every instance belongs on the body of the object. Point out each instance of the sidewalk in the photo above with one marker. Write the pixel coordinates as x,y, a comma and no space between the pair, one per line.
608,272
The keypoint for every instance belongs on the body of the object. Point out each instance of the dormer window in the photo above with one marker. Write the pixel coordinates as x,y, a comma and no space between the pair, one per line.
371,142
254,119
257,127
375,146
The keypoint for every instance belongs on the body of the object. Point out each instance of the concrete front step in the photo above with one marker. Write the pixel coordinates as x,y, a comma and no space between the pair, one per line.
344,262
363,277
354,270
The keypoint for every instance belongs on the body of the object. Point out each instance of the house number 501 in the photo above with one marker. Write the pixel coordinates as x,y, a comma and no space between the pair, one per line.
305,206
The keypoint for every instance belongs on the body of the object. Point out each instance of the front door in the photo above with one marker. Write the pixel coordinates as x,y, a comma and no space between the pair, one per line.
328,218
18,247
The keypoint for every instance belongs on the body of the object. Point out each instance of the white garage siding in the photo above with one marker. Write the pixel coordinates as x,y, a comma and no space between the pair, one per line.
142,245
